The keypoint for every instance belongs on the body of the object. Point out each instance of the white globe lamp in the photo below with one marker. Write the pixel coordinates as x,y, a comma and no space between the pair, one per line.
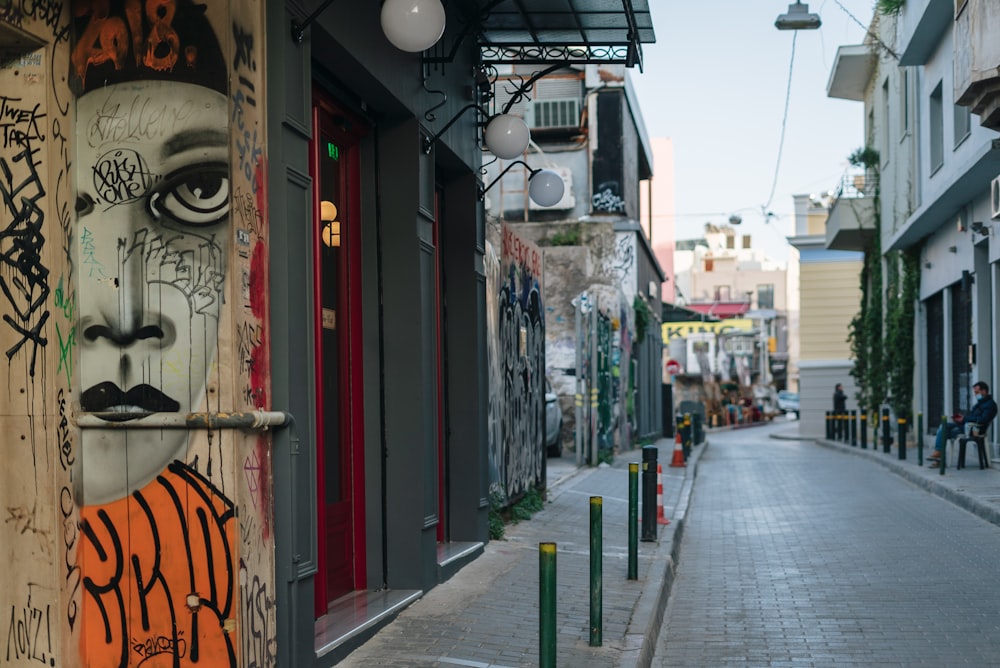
413,25
546,188
507,136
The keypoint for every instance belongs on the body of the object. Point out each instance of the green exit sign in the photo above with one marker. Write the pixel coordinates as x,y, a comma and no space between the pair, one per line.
332,150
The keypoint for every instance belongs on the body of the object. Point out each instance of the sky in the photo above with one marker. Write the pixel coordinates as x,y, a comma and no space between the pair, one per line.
715,82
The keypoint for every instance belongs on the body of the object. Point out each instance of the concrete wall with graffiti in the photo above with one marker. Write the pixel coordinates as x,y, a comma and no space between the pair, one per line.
133,274
516,336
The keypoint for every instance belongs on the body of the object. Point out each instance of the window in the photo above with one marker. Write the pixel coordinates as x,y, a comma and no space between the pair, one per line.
722,293
886,133
936,111
730,241
963,123
904,102
765,296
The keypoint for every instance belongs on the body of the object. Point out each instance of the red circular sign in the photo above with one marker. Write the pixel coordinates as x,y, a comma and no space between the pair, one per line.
673,367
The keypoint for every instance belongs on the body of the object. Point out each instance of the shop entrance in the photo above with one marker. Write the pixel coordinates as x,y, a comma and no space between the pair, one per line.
339,375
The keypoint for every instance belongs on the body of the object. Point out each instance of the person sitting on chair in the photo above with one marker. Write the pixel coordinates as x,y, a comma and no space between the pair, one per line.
979,417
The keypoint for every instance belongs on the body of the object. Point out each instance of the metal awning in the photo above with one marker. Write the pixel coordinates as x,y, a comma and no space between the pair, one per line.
561,31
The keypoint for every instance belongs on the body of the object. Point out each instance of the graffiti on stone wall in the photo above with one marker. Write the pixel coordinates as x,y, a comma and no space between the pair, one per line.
624,261
249,205
153,219
258,614
29,635
607,198
19,13
517,368
24,278
491,266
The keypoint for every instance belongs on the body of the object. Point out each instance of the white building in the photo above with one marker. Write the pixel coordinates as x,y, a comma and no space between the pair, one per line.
915,77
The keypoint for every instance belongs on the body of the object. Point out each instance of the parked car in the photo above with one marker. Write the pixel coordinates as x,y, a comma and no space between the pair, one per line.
553,422
788,402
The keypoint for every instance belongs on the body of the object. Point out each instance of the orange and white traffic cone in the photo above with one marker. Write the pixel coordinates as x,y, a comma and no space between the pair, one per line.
678,459
660,518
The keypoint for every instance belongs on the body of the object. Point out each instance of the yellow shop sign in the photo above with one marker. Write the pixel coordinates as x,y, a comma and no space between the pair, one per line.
673,330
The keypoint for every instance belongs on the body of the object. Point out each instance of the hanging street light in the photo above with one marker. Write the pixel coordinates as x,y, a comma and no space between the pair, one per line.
797,18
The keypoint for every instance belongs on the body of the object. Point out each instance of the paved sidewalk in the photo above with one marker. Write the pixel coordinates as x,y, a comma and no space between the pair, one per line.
974,489
486,616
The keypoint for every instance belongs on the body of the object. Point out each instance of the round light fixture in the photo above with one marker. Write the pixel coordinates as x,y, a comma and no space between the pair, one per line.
330,232
327,211
507,136
331,235
413,25
546,187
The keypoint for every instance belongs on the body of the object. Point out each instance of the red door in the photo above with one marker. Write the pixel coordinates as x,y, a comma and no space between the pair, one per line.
337,260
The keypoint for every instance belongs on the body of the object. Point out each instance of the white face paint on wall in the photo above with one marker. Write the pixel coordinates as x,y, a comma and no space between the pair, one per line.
153,213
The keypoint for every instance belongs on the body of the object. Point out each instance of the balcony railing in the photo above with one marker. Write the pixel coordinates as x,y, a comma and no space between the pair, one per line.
851,223
856,183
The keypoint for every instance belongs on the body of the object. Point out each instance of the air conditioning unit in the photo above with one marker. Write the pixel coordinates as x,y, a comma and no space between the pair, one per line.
568,201
555,113
995,198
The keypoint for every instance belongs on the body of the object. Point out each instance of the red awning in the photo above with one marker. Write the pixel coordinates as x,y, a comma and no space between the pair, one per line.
721,309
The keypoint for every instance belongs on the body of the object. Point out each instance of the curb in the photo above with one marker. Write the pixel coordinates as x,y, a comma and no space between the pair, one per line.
647,616
964,501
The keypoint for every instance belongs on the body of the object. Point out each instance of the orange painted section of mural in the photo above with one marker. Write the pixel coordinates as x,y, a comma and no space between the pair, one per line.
159,575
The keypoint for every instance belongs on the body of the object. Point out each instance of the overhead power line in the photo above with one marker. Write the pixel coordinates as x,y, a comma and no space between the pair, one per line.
784,123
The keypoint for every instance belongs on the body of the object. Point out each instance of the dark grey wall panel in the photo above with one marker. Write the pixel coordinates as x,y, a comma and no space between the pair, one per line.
371,297
408,426
465,348
289,210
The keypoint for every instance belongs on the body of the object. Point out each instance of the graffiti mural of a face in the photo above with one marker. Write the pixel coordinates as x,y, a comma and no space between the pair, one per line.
152,219
158,552
154,209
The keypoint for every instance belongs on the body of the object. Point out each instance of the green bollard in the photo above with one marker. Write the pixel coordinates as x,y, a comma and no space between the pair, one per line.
885,431
689,436
864,430
547,605
633,521
901,427
596,570
920,439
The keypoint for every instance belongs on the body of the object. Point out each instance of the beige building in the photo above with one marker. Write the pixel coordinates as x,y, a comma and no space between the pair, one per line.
825,300
724,268
722,275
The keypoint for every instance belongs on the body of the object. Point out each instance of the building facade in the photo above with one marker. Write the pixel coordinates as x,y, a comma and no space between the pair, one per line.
602,290
723,276
927,79
826,300
245,318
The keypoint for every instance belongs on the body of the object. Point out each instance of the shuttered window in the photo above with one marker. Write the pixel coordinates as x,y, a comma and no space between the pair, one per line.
961,345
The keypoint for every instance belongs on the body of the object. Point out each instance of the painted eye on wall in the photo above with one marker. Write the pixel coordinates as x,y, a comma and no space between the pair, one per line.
196,195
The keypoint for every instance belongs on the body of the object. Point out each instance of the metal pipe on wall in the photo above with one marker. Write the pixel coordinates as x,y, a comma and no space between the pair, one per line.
255,420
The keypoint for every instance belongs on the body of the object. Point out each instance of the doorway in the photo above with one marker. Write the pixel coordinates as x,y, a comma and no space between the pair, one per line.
336,173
